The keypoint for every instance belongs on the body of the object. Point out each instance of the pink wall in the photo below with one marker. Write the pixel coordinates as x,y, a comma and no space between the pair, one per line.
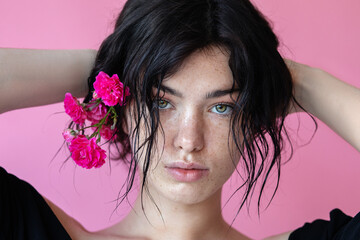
323,175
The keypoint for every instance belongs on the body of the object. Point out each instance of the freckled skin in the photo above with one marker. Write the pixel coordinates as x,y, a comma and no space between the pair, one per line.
196,124
193,131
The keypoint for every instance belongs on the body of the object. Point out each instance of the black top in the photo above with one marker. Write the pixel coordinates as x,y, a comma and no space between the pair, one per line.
340,227
24,214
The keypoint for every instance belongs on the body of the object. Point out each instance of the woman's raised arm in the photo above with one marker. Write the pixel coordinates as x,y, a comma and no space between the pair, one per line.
38,77
334,102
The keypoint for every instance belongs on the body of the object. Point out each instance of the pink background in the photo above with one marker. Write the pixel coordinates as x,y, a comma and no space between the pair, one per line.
322,175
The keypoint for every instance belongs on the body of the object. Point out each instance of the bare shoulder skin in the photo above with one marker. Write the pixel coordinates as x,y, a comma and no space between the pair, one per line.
283,236
78,232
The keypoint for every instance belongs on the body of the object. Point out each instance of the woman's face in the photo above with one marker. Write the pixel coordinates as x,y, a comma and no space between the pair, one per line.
195,112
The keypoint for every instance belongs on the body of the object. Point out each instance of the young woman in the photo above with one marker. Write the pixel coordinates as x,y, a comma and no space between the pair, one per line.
207,86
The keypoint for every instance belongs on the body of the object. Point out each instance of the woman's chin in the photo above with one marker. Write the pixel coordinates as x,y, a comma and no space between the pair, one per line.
184,193
185,198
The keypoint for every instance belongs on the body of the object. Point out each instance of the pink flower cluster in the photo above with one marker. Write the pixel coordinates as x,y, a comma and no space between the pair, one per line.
96,112
100,112
110,89
93,112
74,109
86,153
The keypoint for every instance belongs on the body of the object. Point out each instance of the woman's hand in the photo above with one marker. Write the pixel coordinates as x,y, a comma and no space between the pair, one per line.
334,102
38,77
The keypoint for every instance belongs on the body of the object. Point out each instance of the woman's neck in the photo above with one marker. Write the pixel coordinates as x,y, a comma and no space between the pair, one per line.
177,221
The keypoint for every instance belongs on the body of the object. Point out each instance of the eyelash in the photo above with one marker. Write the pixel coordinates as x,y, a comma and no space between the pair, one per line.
227,112
156,103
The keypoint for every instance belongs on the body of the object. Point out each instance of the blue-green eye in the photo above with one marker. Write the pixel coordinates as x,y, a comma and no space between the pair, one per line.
162,104
222,109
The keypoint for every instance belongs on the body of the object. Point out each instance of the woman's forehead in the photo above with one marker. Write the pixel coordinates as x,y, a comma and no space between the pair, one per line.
206,68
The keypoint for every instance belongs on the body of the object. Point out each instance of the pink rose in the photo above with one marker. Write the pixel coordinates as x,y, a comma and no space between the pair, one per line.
110,89
86,153
107,133
69,134
96,112
74,109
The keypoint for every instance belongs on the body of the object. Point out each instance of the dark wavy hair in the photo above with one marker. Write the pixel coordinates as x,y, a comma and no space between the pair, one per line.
150,42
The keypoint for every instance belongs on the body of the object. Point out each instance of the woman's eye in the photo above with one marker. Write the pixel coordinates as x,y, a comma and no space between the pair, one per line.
162,104
222,109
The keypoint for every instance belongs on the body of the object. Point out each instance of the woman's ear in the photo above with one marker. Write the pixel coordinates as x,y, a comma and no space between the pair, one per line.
124,126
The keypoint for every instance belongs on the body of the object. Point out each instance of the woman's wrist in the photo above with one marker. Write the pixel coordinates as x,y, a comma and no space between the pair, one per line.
81,69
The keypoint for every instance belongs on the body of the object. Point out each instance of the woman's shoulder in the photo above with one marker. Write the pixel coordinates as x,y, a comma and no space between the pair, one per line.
235,235
72,227
283,236
115,232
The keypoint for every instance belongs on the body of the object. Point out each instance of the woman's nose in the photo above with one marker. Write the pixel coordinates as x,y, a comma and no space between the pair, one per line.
190,133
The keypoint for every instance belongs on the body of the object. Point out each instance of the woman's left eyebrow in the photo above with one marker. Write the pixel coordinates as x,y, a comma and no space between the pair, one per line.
220,93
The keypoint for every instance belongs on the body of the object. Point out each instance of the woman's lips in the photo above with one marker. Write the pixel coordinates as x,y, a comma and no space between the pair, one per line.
186,172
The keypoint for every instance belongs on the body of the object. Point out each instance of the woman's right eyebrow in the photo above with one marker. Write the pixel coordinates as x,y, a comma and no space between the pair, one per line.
213,94
170,91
